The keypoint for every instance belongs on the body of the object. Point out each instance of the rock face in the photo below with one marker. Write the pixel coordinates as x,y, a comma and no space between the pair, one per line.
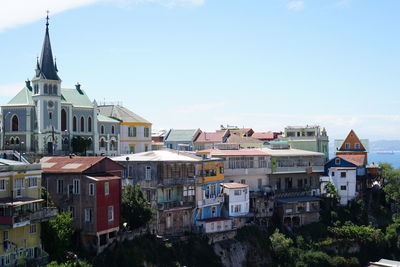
234,253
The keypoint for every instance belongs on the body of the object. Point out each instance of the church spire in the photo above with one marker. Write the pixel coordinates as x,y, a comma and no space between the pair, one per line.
48,69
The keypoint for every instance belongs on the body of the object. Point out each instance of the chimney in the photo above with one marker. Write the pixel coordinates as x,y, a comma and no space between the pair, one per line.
28,85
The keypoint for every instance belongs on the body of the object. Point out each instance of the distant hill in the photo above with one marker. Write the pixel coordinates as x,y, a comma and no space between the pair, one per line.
384,145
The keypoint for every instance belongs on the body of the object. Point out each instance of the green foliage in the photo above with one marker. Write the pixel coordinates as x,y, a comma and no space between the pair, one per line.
135,209
361,234
331,190
80,144
56,236
280,243
152,251
70,263
392,182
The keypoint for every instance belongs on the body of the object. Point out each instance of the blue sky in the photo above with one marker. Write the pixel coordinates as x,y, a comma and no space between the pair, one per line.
263,64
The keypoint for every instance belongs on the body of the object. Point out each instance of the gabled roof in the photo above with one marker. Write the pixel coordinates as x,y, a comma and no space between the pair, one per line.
69,164
352,139
24,97
76,98
236,139
178,135
206,137
358,160
121,113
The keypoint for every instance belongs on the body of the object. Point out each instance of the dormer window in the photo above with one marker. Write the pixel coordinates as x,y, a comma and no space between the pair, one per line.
357,145
337,161
347,145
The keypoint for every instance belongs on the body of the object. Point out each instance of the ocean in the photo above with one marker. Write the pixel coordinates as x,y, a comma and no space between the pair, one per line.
393,159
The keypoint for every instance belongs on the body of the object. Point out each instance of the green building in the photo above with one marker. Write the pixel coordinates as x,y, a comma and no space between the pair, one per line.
311,138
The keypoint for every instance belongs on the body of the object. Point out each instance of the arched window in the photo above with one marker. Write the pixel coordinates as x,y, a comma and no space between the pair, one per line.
65,141
63,120
12,140
74,124
46,90
55,89
112,144
102,143
82,124
102,129
89,124
17,141
14,123
113,129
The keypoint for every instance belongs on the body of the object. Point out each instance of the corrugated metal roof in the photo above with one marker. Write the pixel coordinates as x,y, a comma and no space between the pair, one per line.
75,98
103,118
24,97
159,155
121,113
358,160
67,164
178,135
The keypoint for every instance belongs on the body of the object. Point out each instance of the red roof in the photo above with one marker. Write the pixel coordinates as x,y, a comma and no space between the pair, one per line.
68,164
104,178
205,137
238,152
263,135
358,160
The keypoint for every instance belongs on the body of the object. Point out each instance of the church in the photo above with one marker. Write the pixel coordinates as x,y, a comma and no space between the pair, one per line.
44,118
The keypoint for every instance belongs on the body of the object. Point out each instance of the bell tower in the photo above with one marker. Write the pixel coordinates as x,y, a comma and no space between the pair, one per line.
46,95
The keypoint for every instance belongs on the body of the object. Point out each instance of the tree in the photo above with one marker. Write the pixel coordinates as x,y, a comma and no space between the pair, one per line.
331,190
70,263
392,182
56,235
80,144
280,244
135,209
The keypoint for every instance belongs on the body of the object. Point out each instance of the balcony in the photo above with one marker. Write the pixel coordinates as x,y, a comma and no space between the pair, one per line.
246,171
296,192
22,219
178,181
210,201
298,169
175,205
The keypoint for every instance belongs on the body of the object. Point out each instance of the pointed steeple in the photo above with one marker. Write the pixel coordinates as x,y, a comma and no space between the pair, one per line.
47,68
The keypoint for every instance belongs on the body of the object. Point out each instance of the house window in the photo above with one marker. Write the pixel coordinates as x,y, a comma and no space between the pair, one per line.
77,186
168,220
238,192
46,90
168,194
243,181
32,182
238,208
146,132
147,173
106,188
102,129
14,123
91,189
32,228
113,129
102,143
188,191
347,145
60,186
19,183
50,115
5,235
343,174
130,171
74,124
221,169
333,174
357,145
343,187
2,185
132,149
146,148
82,124
89,124
337,161
110,213
88,215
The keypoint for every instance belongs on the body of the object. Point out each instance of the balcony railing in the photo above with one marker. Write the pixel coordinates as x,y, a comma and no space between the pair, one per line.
18,220
178,181
210,201
298,169
174,204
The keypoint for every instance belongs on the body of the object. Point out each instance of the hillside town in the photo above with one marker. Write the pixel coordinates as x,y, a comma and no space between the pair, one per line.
63,153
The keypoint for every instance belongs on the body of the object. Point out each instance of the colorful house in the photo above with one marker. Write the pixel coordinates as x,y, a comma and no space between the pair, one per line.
21,211
207,140
209,197
89,188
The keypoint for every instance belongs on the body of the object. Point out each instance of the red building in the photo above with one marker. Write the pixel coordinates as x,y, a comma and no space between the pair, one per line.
89,188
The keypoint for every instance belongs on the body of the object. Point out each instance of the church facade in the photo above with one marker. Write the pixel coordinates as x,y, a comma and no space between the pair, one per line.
46,119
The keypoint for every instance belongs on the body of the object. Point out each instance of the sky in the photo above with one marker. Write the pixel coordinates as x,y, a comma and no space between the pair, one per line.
264,64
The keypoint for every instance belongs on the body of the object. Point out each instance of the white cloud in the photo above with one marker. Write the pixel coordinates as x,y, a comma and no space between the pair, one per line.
12,89
18,12
295,5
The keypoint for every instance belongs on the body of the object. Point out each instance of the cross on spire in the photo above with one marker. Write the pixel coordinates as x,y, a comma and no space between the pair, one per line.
47,18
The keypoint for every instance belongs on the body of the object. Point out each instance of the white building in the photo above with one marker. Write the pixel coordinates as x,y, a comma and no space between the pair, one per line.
238,198
344,179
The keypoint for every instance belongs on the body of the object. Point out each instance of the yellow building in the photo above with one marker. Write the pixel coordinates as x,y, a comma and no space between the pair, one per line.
21,211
